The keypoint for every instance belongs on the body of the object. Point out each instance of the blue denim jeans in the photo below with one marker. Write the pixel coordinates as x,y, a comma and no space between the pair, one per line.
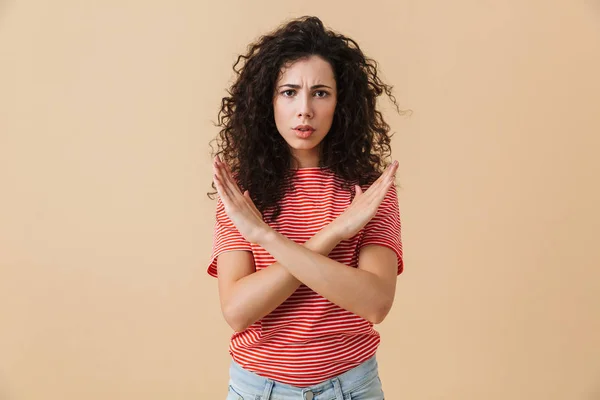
360,383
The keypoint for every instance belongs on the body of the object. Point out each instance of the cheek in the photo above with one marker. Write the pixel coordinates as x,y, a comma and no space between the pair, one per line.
281,111
277,113
332,110
282,118
329,111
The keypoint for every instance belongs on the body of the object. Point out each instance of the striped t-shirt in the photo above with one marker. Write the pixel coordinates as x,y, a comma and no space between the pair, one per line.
308,339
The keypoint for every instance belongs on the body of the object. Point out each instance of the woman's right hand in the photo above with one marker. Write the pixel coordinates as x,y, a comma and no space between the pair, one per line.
364,206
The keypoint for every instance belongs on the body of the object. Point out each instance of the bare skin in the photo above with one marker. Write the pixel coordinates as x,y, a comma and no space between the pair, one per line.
367,291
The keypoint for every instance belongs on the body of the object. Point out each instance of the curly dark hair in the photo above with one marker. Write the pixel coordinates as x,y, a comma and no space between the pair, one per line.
357,143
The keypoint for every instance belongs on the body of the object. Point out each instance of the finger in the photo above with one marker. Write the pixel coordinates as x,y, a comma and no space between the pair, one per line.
252,205
216,174
229,176
218,165
376,193
389,170
358,194
393,165
388,174
226,179
381,191
393,170
226,191
248,198
221,190
229,170
358,190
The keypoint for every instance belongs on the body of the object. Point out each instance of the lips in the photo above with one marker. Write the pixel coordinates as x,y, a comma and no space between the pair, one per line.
303,133
304,128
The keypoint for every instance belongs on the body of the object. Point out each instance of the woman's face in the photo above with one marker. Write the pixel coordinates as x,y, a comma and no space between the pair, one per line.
305,94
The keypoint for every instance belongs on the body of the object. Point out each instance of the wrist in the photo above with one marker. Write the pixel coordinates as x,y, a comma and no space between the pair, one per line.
334,231
267,236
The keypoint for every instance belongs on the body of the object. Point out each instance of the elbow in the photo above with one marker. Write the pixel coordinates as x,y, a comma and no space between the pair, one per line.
234,319
377,318
236,326
379,313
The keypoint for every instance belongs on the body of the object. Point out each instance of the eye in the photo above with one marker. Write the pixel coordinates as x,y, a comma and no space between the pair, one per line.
325,94
287,91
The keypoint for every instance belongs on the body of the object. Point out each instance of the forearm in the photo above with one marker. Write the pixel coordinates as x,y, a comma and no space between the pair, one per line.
358,291
259,293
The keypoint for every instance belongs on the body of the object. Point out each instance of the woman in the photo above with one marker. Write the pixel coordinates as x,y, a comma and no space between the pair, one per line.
307,237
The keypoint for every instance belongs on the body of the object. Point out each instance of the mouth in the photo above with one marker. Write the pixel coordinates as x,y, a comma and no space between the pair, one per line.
304,133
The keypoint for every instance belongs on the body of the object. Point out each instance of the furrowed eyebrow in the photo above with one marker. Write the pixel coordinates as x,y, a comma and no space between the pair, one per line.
298,86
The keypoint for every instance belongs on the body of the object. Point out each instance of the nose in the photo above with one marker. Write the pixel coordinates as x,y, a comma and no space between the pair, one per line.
306,108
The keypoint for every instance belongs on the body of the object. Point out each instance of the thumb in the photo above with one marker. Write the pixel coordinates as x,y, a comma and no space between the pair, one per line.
249,201
358,193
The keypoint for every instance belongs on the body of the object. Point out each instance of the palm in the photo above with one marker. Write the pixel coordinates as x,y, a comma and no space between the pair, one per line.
365,205
239,207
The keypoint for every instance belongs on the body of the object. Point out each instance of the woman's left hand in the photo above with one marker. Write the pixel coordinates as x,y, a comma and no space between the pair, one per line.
239,207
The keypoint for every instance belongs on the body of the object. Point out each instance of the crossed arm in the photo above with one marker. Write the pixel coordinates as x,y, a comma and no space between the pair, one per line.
246,295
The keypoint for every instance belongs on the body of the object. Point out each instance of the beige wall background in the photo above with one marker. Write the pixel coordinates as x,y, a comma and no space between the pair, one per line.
106,230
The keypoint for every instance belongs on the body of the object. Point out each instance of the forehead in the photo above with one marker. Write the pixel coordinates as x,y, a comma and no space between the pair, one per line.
311,68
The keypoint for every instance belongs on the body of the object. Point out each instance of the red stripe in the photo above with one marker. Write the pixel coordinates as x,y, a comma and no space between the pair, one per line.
308,339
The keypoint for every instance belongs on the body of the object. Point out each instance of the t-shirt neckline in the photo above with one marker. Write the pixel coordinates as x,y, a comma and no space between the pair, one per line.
308,169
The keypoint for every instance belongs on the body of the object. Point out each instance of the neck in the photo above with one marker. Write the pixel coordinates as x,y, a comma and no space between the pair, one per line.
305,161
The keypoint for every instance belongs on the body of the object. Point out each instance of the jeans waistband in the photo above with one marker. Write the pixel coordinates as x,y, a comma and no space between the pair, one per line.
269,388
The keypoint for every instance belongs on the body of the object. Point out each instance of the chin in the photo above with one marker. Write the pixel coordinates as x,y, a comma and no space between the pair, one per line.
304,146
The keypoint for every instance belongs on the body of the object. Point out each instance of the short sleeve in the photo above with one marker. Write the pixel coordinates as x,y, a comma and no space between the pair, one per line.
226,238
384,228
